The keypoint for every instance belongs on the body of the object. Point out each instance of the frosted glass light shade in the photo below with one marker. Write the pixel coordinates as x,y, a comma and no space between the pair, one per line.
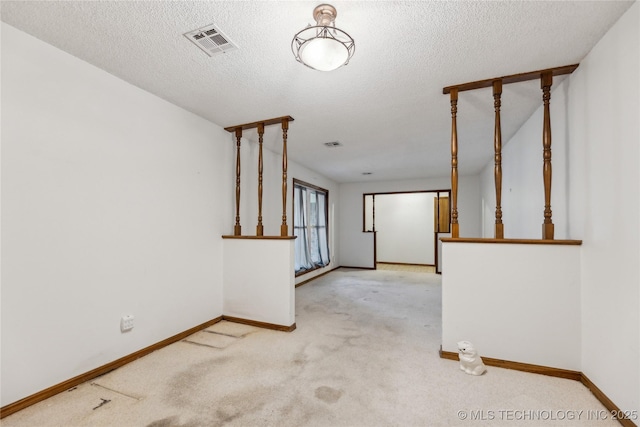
324,54
323,48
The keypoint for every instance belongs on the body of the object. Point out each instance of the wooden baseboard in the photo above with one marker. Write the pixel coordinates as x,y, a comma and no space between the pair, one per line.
260,324
405,263
525,367
87,376
553,372
358,268
608,403
304,282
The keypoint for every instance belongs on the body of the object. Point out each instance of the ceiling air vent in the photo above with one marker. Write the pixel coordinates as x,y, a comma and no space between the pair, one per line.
333,144
211,40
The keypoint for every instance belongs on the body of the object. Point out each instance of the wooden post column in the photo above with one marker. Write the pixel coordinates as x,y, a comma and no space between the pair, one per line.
455,230
260,228
546,81
237,229
284,228
497,145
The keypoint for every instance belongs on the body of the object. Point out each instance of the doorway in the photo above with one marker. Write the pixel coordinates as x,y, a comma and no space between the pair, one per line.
407,227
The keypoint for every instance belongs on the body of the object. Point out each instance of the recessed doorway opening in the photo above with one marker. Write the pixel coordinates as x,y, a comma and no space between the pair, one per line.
407,227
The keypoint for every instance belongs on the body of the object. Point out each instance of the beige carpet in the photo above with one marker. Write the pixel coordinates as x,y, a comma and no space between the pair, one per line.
365,354
405,267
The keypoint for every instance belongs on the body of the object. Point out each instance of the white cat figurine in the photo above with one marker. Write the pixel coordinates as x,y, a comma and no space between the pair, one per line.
470,362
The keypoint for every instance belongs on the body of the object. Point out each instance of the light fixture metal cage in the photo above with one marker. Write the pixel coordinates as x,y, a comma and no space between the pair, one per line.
324,15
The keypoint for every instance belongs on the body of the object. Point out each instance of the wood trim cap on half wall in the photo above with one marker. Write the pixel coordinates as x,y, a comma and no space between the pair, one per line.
511,241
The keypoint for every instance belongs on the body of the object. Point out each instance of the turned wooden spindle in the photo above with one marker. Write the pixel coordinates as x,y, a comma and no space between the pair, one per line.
284,228
497,145
455,230
546,81
237,229
260,228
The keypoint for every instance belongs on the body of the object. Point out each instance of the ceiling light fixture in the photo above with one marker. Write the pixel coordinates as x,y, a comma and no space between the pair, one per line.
323,47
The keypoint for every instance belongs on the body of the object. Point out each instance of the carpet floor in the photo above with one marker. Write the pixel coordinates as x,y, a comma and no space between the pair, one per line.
365,353
405,267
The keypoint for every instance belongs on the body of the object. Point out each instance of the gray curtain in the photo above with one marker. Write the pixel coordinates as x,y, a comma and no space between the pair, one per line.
310,226
300,230
323,243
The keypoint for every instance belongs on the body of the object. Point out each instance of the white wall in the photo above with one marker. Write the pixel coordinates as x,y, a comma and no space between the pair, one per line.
604,189
111,204
510,307
404,227
595,127
252,293
356,247
114,202
440,250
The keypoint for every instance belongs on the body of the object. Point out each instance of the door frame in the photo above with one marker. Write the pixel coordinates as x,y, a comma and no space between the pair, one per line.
373,230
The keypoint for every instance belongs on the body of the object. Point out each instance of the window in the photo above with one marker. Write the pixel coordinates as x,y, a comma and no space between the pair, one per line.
310,226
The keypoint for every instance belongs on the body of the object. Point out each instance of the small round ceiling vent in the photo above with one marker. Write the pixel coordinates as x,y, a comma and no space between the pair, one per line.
333,144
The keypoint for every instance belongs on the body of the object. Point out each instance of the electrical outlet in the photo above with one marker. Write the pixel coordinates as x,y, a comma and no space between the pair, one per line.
126,322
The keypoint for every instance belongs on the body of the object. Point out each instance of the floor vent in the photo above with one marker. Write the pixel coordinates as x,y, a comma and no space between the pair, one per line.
211,40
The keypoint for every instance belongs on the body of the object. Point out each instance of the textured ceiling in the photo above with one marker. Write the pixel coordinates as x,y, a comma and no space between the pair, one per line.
386,107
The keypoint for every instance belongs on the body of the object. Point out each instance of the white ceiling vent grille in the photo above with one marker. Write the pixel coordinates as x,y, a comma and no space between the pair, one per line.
211,40
333,144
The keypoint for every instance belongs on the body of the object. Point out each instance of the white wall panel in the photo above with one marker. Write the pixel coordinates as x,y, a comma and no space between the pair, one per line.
604,194
259,280
513,301
113,203
595,197
405,229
